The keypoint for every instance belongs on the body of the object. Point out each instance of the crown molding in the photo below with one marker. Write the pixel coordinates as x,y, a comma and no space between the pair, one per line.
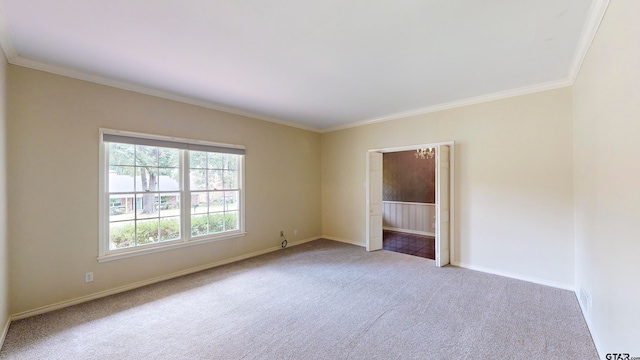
596,14
15,59
594,19
58,70
5,36
458,103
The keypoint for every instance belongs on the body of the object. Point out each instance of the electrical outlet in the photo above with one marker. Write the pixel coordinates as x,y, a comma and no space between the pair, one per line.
88,277
281,233
295,232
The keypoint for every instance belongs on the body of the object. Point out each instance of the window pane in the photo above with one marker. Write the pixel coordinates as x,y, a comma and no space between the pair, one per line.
121,178
199,203
121,154
216,160
231,221
147,206
230,179
216,223
216,201
231,200
215,179
147,156
122,235
199,225
197,160
169,158
147,231
198,179
121,207
170,205
232,163
169,179
169,229
145,190
146,179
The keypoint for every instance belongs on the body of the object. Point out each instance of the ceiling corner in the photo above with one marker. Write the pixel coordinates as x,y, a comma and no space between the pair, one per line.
5,37
596,14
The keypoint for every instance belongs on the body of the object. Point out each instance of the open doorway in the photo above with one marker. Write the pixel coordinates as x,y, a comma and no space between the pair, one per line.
442,227
409,202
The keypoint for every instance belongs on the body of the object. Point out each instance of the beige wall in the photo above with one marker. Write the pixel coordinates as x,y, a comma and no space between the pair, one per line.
518,162
52,133
4,259
513,181
607,180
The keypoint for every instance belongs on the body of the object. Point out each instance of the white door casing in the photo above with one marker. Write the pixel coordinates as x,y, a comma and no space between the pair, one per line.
374,201
442,205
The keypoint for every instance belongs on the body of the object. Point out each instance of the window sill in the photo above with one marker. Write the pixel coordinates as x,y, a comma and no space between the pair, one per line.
158,248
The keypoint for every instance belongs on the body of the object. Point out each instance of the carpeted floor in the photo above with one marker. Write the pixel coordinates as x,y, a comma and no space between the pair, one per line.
320,300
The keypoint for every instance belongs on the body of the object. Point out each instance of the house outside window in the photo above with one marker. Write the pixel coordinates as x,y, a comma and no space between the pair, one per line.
159,193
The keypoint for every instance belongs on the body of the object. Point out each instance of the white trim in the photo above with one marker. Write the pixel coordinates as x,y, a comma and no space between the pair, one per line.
587,319
594,19
352,242
5,330
147,90
416,232
119,289
407,203
164,247
367,221
452,213
411,147
105,254
456,104
103,198
168,138
596,14
32,64
5,37
452,202
531,279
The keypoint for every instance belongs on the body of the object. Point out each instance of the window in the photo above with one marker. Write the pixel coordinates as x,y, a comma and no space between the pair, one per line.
160,193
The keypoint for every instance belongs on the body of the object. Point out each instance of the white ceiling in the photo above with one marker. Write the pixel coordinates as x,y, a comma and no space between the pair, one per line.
317,64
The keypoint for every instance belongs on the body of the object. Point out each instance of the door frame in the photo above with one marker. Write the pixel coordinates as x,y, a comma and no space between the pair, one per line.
452,151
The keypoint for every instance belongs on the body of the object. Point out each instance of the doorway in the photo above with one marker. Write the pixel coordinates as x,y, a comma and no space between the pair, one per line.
444,155
407,243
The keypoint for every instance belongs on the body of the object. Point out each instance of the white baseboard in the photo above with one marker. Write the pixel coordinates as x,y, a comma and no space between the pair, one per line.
408,231
303,241
531,279
343,240
587,319
101,294
5,330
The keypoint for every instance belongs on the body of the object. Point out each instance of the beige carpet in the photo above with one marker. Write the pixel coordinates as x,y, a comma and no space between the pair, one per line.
320,300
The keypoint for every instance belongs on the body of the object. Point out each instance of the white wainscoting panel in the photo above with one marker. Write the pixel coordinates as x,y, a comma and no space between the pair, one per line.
418,218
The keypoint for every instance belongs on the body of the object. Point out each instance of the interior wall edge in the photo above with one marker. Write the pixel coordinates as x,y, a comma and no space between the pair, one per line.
342,240
531,279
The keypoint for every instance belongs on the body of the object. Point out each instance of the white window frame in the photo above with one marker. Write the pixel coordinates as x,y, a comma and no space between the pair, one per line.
105,254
